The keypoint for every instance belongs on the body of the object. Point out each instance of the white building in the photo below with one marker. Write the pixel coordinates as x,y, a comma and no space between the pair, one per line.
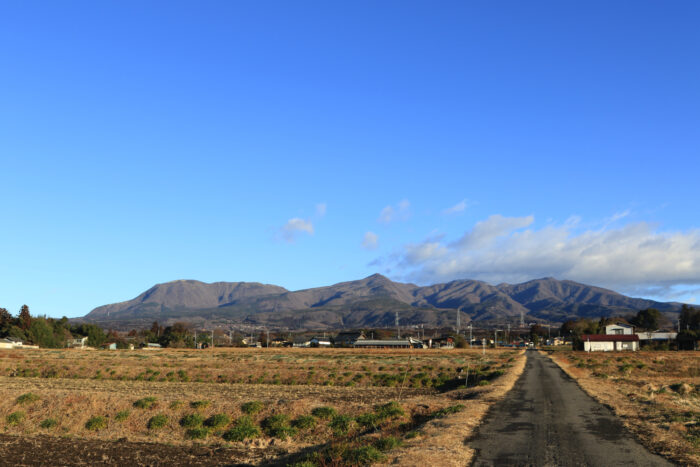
11,343
619,329
657,336
320,341
610,343
79,343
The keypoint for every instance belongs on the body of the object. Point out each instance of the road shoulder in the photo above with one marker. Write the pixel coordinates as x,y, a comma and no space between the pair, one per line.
444,441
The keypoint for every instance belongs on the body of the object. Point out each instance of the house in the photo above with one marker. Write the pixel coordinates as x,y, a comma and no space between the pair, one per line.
619,329
444,342
6,344
79,343
348,338
408,343
609,342
301,342
656,336
109,346
11,343
320,341
279,342
151,346
554,341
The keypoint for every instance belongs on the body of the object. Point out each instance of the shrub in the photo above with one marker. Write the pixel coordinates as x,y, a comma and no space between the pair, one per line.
303,464
48,423
364,455
277,426
157,421
219,420
145,403
96,423
324,412
341,424
196,433
484,382
193,420
27,398
389,410
243,429
122,415
304,422
387,443
200,404
174,405
448,411
368,420
15,418
251,408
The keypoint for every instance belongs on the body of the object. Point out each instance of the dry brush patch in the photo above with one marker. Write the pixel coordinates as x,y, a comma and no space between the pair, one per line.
81,395
655,393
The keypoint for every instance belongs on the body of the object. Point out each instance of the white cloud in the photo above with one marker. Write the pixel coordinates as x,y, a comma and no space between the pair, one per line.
457,208
508,249
492,228
296,226
400,212
370,241
321,209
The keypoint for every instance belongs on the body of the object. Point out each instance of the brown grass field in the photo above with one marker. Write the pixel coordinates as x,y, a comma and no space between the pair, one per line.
385,403
656,394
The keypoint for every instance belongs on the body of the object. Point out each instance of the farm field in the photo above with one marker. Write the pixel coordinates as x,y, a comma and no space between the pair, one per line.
254,406
656,394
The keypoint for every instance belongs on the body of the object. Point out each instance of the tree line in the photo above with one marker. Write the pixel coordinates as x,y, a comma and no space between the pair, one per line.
46,332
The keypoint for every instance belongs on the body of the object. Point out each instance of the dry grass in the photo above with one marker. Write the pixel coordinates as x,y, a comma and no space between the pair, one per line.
442,441
74,386
656,394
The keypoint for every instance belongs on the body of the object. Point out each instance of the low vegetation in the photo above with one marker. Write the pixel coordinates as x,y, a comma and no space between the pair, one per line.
253,399
657,394
96,423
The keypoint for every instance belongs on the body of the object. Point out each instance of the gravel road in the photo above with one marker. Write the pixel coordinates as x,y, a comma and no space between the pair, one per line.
547,420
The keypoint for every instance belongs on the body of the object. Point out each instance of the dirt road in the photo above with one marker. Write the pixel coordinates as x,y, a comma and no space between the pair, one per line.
547,420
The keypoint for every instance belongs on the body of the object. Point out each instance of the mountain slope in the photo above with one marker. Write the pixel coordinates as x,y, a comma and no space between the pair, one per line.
186,294
372,301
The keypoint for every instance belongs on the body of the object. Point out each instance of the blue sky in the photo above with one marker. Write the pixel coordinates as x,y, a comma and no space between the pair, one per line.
307,143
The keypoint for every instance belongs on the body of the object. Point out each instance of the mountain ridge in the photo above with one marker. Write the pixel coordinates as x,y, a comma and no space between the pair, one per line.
371,301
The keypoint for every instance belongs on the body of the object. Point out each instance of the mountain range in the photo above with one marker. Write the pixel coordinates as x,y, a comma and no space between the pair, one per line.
370,302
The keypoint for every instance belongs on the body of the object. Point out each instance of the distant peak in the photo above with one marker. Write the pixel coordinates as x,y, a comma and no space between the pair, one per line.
377,276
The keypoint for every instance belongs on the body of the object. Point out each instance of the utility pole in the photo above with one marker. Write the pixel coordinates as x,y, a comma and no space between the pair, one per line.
522,319
470,335
508,334
268,338
212,338
398,329
195,338
458,310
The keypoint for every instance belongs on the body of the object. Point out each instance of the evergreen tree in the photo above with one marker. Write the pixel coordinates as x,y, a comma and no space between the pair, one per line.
25,319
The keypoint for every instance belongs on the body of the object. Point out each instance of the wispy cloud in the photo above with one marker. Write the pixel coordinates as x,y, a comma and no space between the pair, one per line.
321,209
631,257
370,241
296,226
457,208
400,212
